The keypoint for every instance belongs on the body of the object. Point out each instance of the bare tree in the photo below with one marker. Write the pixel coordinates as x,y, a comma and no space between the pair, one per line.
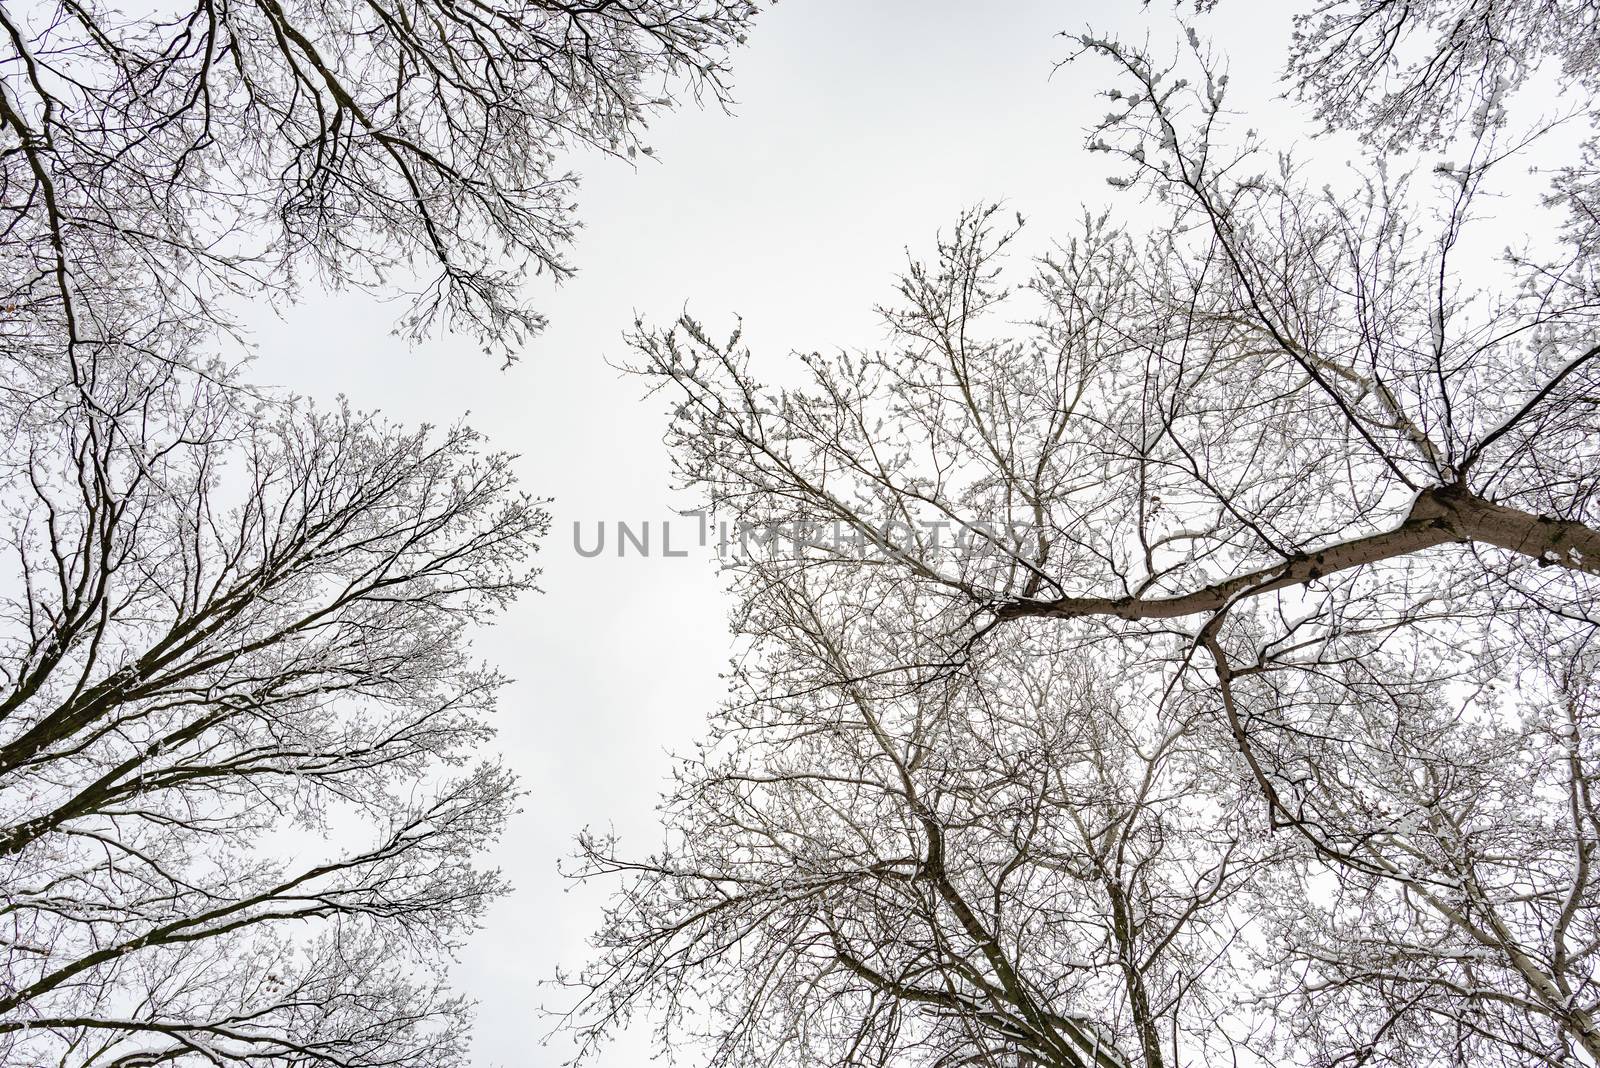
152,164
1461,929
1435,72
1316,473
1025,864
240,796
239,803
1428,70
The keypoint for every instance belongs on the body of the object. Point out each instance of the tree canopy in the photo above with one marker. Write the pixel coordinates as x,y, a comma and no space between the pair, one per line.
245,783
1208,674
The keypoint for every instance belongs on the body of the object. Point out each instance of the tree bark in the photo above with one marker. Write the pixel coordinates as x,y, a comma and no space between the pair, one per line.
1438,516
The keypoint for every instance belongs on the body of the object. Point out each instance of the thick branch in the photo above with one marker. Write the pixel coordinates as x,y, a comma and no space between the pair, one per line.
1438,516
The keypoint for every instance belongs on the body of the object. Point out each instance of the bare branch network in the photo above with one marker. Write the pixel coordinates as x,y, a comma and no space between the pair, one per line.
1274,741
245,782
1277,744
227,632
154,165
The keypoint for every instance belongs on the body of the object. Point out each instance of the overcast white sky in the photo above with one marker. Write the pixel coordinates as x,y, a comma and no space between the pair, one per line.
862,127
